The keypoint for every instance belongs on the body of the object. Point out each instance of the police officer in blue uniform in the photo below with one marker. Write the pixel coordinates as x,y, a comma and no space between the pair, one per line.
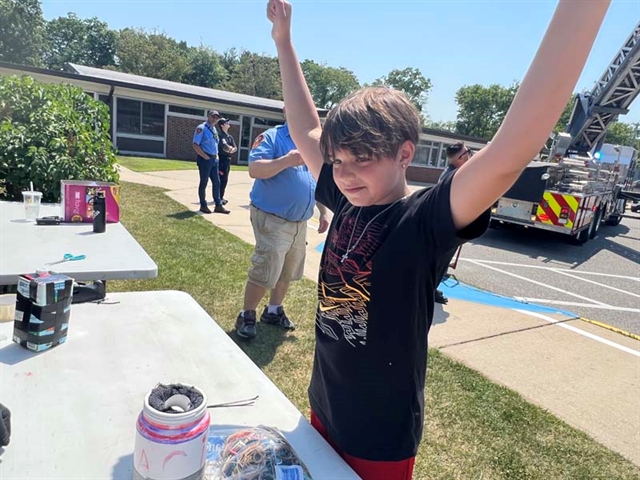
205,143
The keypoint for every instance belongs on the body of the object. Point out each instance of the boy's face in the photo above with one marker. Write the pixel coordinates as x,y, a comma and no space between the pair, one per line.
370,181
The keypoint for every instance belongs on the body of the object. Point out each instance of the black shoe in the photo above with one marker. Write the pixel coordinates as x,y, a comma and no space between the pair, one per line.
440,298
224,201
280,319
246,324
205,209
221,209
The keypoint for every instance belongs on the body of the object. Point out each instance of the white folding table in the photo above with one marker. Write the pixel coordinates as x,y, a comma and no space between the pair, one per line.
26,247
74,407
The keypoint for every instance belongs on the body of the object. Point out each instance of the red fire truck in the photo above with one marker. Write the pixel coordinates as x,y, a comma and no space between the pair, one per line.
571,191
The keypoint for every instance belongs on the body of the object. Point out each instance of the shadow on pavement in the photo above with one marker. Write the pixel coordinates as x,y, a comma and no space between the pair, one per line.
549,247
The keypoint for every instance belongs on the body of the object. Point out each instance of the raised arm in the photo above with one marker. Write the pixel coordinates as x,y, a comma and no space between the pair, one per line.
302,116
535,110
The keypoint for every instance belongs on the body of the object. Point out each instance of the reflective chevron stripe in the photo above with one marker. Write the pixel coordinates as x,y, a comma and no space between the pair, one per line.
550,209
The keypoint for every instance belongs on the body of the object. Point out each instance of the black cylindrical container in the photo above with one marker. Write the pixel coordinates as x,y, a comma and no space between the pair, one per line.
99,212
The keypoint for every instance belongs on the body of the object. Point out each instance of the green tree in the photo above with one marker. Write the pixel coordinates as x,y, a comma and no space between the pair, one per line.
152,55
88,42
257,75
230,59
51,132
446,126
205,68
566,116
328,85
410,81
625,134
21,32
481,109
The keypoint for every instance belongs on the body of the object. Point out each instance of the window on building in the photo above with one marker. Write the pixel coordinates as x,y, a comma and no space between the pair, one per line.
196,112
434,154
421,155
104,99
268,122
129,118
245,139
443,155
430,154
231,116
153,119
140,145
140,118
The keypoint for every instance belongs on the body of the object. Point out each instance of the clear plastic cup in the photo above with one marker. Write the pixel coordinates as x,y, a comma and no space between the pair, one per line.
31,204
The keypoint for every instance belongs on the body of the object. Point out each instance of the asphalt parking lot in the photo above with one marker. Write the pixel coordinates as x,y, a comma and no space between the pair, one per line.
598,281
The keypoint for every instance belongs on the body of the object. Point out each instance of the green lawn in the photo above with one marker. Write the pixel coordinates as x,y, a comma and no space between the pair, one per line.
474,429
141,164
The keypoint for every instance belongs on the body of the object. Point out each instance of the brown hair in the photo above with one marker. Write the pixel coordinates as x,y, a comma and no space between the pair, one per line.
372,122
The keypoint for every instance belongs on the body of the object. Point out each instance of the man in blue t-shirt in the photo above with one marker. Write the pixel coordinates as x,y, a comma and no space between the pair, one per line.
205,144
282,200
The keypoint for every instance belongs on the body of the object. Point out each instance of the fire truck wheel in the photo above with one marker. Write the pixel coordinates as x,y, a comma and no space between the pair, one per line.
595,225
581,238
615,219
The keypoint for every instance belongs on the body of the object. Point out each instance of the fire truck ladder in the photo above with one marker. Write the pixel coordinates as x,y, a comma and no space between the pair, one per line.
595,111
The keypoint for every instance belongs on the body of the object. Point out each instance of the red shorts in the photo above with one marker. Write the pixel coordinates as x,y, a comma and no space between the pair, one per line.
367,469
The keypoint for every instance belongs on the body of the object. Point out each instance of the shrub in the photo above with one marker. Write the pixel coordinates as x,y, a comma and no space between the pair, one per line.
48,133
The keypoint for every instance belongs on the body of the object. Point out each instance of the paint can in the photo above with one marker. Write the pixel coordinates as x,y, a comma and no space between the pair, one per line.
171,434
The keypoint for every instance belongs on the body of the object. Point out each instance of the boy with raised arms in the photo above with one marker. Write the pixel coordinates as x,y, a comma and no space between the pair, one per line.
385,248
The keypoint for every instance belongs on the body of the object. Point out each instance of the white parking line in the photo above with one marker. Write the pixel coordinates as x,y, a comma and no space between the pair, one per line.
577,304
596,283
520,277
581,332
575,272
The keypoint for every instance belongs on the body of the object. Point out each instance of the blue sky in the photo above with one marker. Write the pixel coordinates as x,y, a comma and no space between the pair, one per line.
453,42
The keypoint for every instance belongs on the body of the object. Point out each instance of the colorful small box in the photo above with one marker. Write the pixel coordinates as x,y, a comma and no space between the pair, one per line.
77,195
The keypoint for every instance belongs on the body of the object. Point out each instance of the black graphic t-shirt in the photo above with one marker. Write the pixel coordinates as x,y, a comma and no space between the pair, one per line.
374,313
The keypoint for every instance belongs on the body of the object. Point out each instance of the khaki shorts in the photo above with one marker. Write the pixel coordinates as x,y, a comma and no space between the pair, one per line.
280,251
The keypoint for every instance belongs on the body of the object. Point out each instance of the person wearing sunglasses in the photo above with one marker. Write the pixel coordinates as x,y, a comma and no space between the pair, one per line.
457,155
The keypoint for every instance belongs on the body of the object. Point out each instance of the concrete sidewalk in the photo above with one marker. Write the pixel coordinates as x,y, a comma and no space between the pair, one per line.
585,375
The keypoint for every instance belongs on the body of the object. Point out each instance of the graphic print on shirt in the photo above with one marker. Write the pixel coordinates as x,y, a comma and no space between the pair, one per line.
344,288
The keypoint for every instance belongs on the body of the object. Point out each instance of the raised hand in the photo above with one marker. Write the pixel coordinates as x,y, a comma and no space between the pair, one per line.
279,13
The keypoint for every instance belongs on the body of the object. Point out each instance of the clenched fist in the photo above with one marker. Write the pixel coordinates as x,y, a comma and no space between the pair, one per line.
279,13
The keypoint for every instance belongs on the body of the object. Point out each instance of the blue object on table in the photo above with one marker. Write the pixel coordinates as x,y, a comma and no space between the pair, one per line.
68,257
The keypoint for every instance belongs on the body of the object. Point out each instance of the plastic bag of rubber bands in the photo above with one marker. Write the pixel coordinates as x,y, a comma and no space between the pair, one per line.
257,453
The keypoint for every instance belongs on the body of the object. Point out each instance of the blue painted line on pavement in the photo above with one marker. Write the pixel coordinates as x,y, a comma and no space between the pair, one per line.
460,291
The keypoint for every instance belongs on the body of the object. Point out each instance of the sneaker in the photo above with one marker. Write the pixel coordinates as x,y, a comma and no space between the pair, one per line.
246,324
205,209
221,209
440,298
224,201
280,319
